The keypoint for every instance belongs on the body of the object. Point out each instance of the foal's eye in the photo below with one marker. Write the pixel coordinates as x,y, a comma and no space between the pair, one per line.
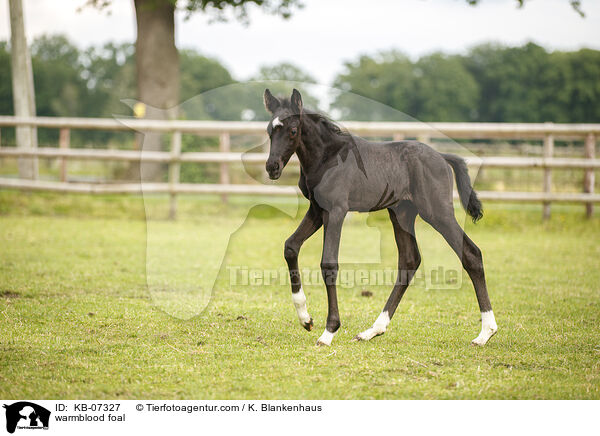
293,132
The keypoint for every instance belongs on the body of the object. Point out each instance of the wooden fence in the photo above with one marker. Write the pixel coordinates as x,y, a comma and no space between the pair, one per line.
548,132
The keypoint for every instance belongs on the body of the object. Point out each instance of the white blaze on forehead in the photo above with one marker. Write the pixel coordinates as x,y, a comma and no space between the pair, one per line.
276,122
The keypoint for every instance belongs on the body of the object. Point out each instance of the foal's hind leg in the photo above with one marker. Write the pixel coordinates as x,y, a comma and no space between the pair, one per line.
472,261
311,222
409,259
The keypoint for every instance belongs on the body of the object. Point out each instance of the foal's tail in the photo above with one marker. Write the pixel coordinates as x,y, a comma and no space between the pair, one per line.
468,196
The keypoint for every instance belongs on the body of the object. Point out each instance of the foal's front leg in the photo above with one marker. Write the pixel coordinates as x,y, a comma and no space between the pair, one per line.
332,222
311,222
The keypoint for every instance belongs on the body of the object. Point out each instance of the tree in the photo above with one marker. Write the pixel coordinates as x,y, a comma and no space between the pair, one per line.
518,84
583,86
200,74
386,78
86,83
238,101
157,60
437,87
491,83
156,55
61,89
6,100
444,89
109,74
284,71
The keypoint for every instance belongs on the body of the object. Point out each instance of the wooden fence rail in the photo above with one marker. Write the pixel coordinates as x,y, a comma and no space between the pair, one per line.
260,158
547,132
408,129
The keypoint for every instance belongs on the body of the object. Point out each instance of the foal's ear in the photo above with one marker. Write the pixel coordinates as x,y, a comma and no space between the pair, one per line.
296,101
271,102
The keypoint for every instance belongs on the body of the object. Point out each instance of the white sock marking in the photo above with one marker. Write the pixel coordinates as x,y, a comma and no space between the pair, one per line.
326,338
276,122
379,327
299,300
488,328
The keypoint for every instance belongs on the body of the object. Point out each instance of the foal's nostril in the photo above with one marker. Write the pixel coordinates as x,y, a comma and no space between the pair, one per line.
272,166
274,169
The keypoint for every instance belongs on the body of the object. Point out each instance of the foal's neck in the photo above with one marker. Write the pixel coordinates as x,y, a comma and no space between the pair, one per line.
315,145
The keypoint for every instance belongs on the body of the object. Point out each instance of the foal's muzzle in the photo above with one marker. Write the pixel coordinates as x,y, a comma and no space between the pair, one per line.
274,168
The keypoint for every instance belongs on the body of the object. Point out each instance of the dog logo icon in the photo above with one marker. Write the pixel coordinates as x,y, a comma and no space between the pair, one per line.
26,415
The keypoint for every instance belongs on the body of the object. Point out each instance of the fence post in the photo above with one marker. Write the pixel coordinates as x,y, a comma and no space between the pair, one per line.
174,172
224,147
64,142
22,89
548,152
589,179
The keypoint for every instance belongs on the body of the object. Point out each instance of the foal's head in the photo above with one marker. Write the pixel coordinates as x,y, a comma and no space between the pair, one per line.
283,129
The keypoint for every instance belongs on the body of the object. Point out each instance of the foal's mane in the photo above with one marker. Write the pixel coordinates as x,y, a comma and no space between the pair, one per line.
325,124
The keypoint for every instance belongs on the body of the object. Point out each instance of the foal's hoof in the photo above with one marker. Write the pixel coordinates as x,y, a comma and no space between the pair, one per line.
483,338
479,342
366,336
325,339
308,325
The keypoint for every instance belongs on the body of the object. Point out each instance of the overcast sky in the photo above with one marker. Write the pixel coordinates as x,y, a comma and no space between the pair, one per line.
326,33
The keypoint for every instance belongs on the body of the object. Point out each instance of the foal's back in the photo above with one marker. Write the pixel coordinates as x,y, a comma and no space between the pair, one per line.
368,175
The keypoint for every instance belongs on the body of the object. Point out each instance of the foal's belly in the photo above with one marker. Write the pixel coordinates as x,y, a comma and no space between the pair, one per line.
380,181
361,194
373,198
381,189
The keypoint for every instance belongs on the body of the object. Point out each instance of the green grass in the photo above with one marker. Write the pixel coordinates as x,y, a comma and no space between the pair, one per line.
77,319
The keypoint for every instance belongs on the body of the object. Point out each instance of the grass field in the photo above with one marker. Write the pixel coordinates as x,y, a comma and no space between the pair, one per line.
77,319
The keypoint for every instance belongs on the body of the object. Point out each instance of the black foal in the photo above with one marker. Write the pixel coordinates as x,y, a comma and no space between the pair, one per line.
340,173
